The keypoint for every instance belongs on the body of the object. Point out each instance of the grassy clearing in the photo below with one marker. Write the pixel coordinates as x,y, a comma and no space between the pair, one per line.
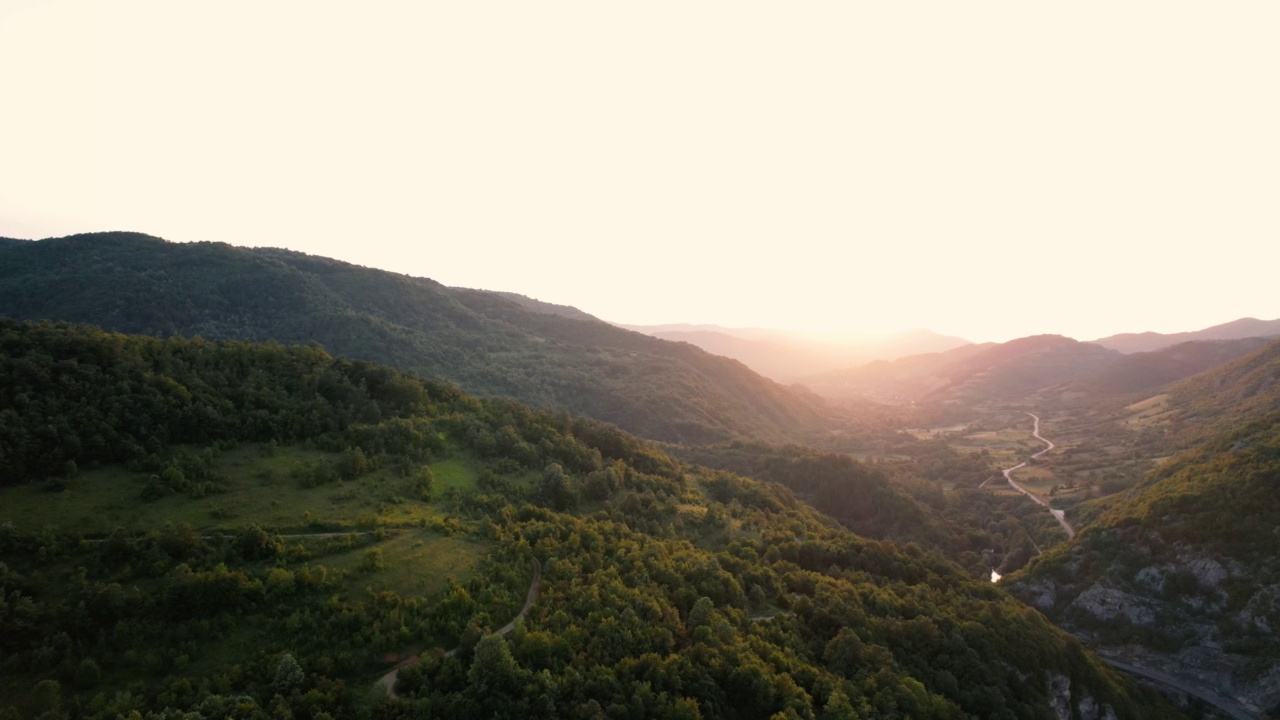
928,433
454,473
1009,440
1148,404
1153,411
261,488
412,563
873,456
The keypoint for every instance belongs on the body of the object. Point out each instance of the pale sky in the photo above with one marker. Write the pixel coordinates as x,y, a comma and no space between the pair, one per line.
989,170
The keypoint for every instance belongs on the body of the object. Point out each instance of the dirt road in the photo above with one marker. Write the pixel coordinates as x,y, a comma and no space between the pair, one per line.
1059,515
388,681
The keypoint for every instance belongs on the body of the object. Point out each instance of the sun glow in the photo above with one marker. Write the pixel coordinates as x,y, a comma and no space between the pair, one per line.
848,169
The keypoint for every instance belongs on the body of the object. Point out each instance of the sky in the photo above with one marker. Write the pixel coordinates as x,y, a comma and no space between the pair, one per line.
989,170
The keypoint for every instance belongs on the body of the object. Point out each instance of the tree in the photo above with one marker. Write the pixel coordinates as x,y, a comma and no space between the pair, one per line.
702,612
424,482
88,674
493,670
289,675
554,489
838,707
257,544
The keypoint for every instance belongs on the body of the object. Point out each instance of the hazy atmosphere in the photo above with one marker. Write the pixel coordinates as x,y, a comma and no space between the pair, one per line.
710,360
987,171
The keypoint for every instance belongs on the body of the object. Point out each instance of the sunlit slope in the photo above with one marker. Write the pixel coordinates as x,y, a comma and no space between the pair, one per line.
972,373
904,379
1187,566
1146,371
488,343
270,529
790,356
1150,341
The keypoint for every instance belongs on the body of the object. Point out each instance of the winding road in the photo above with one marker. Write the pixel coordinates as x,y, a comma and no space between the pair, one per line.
1213,699
1059,515
1160,678
388,681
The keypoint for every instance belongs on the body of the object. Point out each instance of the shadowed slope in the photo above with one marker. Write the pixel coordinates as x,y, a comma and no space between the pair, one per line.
484,341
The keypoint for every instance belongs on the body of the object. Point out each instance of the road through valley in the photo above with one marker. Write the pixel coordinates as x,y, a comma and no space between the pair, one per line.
1058,515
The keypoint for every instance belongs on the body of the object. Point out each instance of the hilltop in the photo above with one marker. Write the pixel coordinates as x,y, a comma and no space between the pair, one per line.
491,344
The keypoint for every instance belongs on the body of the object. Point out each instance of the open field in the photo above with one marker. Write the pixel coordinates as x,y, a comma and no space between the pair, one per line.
1152,412
260,488
1006,447
414,563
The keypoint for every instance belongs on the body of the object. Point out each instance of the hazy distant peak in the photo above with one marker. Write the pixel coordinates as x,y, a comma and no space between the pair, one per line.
1151,341
787,355
1042,342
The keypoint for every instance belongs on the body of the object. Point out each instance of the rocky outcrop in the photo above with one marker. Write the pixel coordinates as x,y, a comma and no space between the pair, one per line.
1086,708
1201,618
1042,594
1105,603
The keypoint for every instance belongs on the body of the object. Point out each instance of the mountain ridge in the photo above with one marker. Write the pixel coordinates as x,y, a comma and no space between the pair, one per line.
971,372
1151,341
484,341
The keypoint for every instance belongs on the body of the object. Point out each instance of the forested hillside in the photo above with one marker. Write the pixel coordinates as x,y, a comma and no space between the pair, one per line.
488,343
1185,570
224,529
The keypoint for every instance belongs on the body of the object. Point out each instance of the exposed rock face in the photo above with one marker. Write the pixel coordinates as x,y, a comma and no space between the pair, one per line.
1086,708
1262,611
1207,571
1060,697
1042,594
1184,612
1106,603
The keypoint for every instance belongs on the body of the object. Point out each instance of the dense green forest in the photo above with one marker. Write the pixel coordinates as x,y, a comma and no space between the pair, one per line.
197,529
928,495
487,342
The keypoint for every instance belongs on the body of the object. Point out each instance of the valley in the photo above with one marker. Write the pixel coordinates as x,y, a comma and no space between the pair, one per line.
240,523
1059,515
639,361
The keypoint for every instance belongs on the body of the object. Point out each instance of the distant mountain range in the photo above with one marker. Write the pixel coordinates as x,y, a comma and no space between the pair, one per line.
788,356
1149,341
1069,368
494,344
971,372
